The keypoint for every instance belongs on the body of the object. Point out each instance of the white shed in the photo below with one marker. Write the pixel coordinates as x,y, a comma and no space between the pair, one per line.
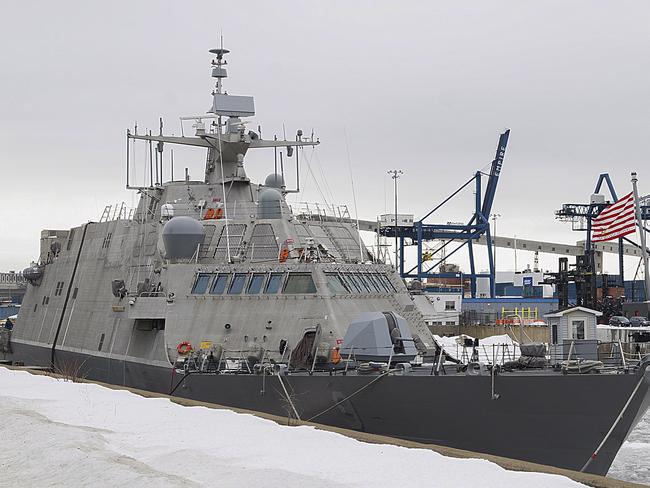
574,325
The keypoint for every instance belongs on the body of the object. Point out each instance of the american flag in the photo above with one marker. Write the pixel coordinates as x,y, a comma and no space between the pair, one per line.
616,220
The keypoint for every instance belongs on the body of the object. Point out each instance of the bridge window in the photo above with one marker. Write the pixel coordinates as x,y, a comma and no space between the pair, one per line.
255,285
364,280
350,284
219,285
335,284
360,285
237,284
201,284
274,283
387,283
299,283
374,282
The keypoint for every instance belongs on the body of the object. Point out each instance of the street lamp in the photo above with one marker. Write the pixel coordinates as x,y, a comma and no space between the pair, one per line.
395,174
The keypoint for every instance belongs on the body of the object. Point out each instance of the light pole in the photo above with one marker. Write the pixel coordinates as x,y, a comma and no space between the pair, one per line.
637,211
395,174
495,216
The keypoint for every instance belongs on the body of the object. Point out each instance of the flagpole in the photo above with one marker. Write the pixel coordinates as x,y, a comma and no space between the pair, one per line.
639,221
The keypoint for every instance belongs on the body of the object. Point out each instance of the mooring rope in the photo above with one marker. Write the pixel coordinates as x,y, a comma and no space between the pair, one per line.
288,397
349,396
618,419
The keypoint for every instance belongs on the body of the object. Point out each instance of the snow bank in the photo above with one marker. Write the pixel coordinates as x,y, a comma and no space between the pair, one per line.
57,433
501,348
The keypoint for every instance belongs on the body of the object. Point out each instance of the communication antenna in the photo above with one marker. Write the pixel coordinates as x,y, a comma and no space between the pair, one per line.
354,194
159,148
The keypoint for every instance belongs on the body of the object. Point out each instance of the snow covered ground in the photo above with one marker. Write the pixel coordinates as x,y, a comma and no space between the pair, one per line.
58,433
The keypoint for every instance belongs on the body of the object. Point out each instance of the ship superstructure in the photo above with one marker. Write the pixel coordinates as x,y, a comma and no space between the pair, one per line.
220,290
223,261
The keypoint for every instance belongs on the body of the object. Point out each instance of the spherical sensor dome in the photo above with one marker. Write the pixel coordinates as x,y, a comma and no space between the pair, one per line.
274,180
181,236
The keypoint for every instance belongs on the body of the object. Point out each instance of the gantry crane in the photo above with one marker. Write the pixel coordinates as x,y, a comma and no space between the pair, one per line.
479,225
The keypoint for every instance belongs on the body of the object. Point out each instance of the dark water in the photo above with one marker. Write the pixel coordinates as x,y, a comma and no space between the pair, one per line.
633,460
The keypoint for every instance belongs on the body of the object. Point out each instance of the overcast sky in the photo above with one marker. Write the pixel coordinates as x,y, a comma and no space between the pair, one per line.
425,87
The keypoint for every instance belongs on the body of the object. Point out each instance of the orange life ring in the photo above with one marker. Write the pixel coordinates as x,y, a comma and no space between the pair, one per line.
184,348
218,214
209,214
284,254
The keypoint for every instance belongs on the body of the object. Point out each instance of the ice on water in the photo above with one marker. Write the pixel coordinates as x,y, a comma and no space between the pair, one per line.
633,460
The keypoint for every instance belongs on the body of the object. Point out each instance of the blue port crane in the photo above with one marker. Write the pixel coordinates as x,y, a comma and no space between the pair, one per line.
479,224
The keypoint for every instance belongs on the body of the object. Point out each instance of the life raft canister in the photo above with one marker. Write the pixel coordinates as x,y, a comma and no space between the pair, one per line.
213,213
184,348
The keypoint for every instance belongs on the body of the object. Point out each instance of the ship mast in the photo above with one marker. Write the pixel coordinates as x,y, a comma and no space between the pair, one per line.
227,146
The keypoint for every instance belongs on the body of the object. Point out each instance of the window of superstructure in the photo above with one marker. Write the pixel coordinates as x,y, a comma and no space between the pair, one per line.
107,240
381,283
70,239
59,288
450,305
299,283
256,283
219,284
274,283
386,281
365,279
352,285
201,284
237,284
361,286
374,283
335,283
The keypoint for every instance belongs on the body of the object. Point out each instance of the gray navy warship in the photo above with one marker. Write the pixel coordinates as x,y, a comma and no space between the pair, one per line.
219,290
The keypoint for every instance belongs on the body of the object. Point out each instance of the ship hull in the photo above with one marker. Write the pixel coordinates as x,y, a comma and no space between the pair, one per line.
543,418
